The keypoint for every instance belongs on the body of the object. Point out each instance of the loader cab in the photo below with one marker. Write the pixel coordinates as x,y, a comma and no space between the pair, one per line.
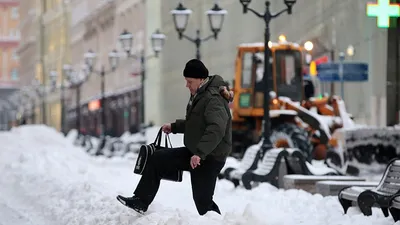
286,70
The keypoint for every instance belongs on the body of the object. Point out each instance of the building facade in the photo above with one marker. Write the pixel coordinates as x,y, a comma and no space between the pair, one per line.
9,61
96,25
43,49
68,29
28,54
335,25
9,40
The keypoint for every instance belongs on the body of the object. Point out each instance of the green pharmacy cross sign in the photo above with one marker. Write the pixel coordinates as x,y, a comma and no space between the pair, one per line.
383,10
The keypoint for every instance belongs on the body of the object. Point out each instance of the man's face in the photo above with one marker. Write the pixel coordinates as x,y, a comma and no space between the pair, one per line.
193,84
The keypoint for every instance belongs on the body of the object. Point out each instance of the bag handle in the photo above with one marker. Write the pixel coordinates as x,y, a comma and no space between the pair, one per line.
157,141
167,139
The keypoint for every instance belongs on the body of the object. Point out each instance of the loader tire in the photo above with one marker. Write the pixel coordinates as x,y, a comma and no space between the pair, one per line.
294,136
384,153
363,153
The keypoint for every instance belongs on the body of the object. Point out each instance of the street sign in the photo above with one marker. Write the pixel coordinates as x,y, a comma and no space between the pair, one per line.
383,10
352,72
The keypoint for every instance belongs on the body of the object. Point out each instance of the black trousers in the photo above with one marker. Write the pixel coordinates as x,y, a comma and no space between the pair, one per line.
203,177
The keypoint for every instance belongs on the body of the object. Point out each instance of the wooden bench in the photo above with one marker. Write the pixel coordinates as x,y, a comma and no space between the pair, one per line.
308,182
381,196
297,164
332,188
268,170
87,143
249,162
394,208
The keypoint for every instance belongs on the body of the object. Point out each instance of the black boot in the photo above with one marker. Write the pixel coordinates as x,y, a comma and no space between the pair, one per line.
134,203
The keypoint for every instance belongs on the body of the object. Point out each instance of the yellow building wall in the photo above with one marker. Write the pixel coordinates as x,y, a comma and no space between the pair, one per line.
55,115
56,54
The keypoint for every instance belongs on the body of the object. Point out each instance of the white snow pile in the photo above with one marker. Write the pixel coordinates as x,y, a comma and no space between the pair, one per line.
46,180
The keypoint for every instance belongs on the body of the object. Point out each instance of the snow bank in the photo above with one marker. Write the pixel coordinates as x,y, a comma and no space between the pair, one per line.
46,180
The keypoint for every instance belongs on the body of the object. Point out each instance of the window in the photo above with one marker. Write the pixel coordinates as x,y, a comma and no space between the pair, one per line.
15,55
14,74
14,13
247,66
5,65
12,33
288,68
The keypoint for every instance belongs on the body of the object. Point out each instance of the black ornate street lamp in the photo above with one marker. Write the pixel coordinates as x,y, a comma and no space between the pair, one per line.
53,80
40,90
267,17
6,112
14,102
157,43
90,61
3,120
181,16
27,100
75,80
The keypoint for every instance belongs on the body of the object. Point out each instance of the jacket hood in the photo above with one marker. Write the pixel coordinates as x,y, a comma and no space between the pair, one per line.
217,84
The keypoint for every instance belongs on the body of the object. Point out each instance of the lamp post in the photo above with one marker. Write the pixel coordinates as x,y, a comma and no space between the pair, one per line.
53,79
341,60
267,17
25,101
40,92
32,93
157,43
33,105
181,18
75,80
2,121
5,111
14,104
90,61
342,56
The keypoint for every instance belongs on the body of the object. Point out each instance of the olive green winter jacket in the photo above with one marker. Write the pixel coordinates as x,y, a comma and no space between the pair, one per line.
207,128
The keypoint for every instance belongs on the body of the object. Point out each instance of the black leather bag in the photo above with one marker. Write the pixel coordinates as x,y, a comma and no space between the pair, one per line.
146,151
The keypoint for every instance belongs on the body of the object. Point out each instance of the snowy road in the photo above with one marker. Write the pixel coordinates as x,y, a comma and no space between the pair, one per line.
48,181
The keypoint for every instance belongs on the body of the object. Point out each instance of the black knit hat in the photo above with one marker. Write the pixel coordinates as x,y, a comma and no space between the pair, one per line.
195,69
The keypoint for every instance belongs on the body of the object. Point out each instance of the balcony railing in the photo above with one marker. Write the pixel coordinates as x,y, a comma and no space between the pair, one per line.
10,2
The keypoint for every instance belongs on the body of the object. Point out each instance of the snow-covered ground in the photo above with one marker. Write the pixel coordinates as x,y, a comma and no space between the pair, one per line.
46,180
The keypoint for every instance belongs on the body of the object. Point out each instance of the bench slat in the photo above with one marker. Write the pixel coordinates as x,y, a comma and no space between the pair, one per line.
393,174
388,188
395,168
392,180
351,193
391,185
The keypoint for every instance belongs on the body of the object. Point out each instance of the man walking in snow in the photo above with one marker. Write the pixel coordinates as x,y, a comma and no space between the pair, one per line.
207,133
